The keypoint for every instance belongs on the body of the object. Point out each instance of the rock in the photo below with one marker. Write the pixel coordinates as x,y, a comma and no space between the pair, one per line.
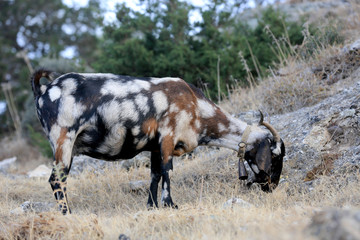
348,113
40,171
6,164
84,163
236,202
36,207
142,159
335,224
317,138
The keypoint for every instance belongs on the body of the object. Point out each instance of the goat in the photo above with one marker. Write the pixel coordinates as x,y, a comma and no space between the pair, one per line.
113,117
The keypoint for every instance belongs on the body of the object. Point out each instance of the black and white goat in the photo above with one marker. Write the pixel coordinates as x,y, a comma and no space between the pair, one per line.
112,117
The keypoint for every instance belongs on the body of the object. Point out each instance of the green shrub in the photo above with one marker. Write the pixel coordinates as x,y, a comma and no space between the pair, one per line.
39,140
160,43
319,38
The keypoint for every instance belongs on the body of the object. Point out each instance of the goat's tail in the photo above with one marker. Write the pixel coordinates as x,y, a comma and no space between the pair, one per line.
35,80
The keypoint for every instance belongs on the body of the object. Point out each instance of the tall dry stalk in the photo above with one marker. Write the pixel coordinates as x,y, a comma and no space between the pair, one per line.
218,78
6,87
9,97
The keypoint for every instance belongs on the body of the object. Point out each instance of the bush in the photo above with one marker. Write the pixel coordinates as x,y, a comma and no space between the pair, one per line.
40,141
161,43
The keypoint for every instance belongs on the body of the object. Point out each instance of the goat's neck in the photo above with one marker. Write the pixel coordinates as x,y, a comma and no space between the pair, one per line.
221,130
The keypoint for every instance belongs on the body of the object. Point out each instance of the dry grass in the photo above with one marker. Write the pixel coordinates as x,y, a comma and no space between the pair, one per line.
301,83
27,156
302,78
104,207
199,186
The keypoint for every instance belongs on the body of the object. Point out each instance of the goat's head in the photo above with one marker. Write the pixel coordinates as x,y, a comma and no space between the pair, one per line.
266,159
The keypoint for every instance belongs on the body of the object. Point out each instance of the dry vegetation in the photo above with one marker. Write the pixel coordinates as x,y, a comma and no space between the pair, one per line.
104,207
302,78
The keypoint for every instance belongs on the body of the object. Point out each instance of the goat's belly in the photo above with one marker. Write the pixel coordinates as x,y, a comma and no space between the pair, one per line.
116,144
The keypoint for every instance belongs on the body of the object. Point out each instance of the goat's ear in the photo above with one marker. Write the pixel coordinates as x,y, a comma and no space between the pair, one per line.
263,156
277,165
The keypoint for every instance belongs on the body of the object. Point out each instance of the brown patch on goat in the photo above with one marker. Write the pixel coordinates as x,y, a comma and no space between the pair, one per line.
167,147
324,168
211,124
150,126
182,95
59,148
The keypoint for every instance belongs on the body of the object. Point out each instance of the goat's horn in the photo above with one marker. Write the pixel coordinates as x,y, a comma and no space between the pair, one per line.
275,134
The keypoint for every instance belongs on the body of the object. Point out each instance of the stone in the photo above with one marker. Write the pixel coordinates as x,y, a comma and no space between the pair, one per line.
236,202
40,171
317,138
335,224
36,207
7,163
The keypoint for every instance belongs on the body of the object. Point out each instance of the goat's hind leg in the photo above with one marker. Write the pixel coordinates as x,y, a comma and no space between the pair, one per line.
61,168
57,182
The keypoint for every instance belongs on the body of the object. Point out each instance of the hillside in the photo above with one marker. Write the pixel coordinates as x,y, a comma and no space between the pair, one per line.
313,102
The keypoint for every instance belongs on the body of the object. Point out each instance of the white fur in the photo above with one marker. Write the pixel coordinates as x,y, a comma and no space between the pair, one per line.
115,88
128,111
141,143
206,109
122,89
69,111
69,86
255,168
114,140
99,75
160,101
173,108
142,103
163,80
185,133
135,130
43,89
54,93
40,102
236,125
67,151
164,192
110,112
256,134
277,150
197,124
221,127
54,134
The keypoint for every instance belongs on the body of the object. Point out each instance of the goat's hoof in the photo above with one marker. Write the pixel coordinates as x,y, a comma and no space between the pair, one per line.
170,205
123,237
150,206
249,184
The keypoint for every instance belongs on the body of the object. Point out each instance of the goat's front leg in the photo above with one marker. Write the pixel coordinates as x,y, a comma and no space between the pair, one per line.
166,199
167,148
155,179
